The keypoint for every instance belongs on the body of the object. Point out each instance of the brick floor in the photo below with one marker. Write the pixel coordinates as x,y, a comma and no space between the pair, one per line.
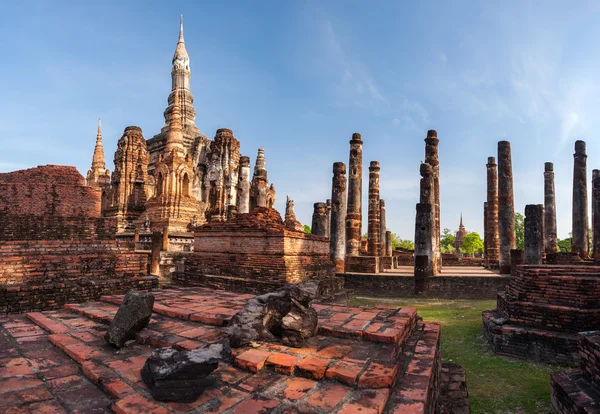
58,360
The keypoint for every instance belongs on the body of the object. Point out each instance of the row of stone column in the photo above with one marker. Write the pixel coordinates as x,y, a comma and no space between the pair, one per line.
343,225
540,220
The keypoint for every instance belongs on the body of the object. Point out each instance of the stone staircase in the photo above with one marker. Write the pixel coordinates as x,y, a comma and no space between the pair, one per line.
578,390
367,360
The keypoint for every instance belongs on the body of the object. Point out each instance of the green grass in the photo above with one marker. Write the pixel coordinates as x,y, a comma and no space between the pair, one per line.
496,384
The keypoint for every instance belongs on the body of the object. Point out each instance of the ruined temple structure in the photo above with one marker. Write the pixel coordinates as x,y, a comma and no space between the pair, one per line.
131,186
459,237
217,181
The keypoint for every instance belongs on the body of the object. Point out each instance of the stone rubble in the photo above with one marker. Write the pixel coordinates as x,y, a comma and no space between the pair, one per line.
134,315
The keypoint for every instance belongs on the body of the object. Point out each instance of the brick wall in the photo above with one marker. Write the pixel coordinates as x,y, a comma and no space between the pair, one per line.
452,287
55,247
49,190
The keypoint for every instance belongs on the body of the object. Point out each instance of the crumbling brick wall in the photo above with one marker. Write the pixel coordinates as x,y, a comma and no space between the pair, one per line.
55,247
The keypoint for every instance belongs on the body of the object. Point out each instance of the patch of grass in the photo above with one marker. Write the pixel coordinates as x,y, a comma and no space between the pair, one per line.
496,384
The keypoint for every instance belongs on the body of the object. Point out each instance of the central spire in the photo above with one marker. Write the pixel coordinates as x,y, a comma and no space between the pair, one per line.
181,60
175,133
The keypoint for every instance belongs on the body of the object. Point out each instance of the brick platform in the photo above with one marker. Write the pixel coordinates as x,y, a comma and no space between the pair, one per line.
578,390
256,253
367,360
542,311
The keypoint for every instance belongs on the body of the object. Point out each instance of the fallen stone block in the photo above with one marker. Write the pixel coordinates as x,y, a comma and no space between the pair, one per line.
181,376
133,316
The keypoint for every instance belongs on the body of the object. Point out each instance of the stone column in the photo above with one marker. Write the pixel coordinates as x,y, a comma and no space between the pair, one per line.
382,226
596,214
165,239
506,206
431,158
328,205
243,200
485,232
550,245
388,243
516,259
337,239
155,257
424,225
534,234
354,215
493,242
374,231
427,197
579,242
319,220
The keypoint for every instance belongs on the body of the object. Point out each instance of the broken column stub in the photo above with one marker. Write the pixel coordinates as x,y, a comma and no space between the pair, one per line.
133,316
516,259
596,214
286,314
354,207
374,230
181,376
579,241
244,186
388,243
550,237
337,236
506,207
534,234
319,220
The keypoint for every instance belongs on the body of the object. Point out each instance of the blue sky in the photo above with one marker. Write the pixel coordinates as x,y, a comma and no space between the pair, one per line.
298,78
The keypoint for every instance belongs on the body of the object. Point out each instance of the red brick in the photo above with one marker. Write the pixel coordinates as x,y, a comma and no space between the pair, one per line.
135,404
283,363
312,367
378,375
252,360
328,396
255,405
343,371
297,388
334,351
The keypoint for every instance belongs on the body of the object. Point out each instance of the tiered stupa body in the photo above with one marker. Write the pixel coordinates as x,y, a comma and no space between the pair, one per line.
173,205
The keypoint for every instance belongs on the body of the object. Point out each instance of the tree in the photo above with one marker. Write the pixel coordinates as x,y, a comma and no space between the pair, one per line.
520,230
447,242
307,229
472,243
564,245
406,244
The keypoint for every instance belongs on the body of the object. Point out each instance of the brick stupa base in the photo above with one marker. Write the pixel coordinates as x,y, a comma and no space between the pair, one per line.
363,360
542,311
257,253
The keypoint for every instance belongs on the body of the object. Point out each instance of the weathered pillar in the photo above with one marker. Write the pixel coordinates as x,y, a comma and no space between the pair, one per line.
485,232
354,214
319,220
243,196
382,226
431,158
328,205
596,214
493,242
155,257
374,231
516,259
579,242
534,234
506,206
550,242
388,243
165,239
424,225
337,239
427,197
